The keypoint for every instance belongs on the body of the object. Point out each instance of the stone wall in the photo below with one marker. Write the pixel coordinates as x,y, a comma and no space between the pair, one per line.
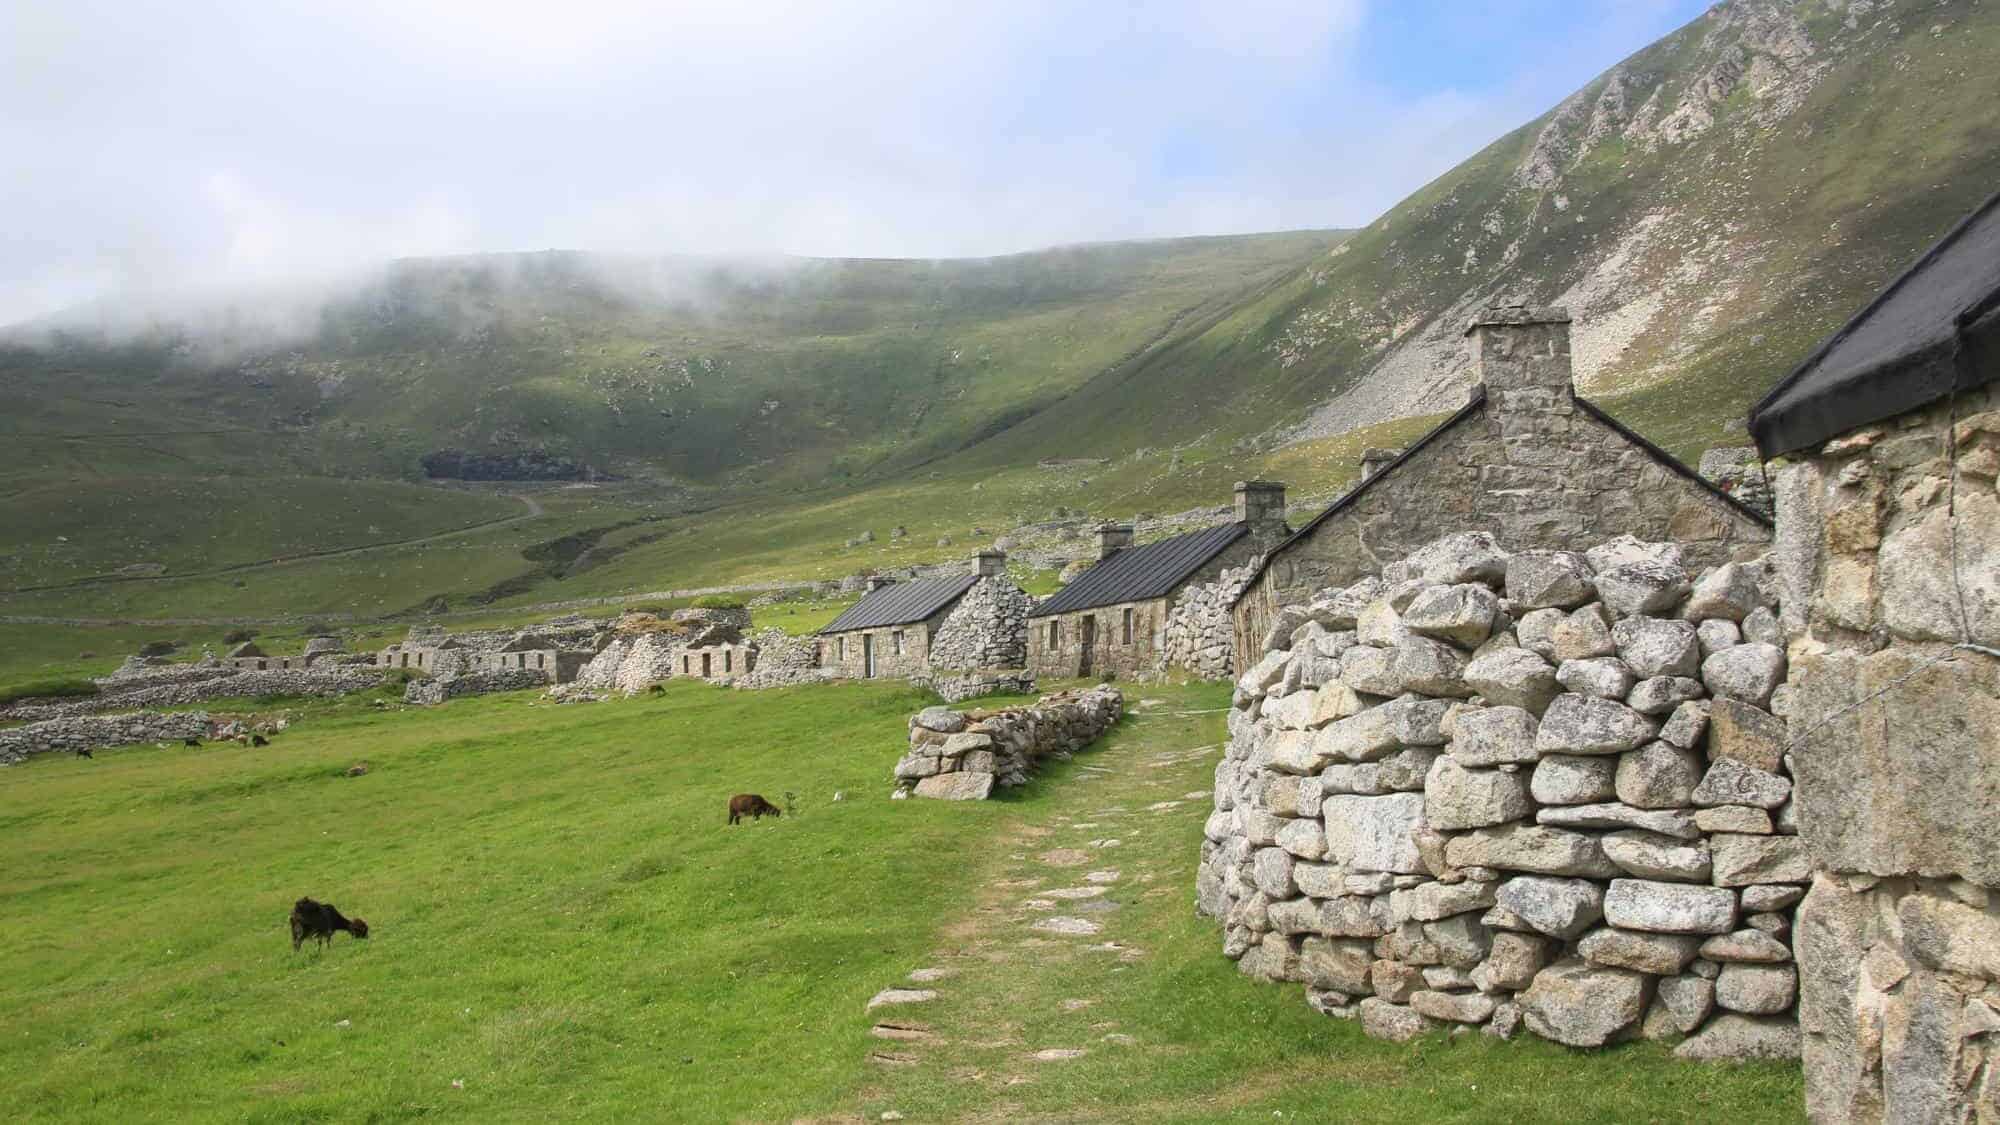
987,629
1544,789
972,685
784,661
99,732
1898,762
437,689
322,680
631,664
1113,647
1199,629
901,651
962,755
1532,464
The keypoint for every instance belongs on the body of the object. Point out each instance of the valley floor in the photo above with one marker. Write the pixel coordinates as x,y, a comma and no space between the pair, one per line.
564,928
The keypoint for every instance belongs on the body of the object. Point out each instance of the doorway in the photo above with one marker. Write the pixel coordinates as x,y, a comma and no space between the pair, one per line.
1086,646
868,656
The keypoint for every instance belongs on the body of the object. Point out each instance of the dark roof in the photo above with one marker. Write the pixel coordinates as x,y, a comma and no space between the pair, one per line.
246,650
1933,330
900,603
1472,407
1135,574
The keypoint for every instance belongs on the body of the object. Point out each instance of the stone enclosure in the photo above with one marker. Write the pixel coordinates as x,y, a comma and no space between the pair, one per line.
963,755
1544,789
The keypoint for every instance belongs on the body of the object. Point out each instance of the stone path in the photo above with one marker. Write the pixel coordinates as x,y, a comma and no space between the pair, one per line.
1019,982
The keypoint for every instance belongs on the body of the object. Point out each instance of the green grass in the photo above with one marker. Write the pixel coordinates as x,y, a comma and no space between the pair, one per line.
563,924
48,689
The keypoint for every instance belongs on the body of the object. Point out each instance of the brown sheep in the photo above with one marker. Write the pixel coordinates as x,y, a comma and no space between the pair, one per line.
319,920
751,805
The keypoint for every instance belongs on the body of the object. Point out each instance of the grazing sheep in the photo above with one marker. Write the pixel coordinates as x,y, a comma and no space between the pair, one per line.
319,920
83,752
750,805
190,742
259,740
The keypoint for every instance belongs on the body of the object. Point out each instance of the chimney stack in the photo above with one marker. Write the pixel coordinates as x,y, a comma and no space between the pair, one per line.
1260,502
1373,460
1112,537
1522,356
990,564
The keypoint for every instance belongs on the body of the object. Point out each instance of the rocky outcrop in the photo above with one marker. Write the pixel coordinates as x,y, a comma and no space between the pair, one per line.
1490,783
963,755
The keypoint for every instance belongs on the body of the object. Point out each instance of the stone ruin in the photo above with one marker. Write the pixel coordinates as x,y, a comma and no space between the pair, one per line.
1200,631
1547,789
987,629
963,755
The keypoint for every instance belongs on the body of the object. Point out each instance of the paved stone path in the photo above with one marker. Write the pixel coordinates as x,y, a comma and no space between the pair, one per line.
1019,978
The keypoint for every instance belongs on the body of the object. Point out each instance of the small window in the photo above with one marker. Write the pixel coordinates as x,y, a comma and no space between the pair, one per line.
896,639
728,659
1125,631
706,669
840,647
1055,633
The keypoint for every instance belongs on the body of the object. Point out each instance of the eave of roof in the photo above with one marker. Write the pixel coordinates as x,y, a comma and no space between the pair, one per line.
1794,416
1137,574
901,603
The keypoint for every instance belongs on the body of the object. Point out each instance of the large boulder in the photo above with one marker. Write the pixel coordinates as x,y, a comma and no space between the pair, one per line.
1748,672
1462,613
1583,1005
965,785
1375,833
1653,646
1549,579
1512,677
1470,556
1730,592
1737,1038
1641,588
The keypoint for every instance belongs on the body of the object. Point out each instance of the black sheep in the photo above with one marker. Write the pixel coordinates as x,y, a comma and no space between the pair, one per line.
320,920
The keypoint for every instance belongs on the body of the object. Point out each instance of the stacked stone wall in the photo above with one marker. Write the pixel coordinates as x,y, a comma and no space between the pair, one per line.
987,629
973,685
784,661
963,755
1200,632
437,689
1889,557
1546,789
632,664
96,733
322,680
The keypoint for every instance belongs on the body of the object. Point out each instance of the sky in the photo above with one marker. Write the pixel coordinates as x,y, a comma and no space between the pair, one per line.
150,149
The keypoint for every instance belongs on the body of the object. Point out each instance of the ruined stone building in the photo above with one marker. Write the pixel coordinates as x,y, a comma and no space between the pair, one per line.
1888,553
1527,460
251,657
723,661
1114,617
898,627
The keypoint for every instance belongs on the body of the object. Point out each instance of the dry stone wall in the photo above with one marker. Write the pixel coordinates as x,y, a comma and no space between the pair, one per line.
987,629
784,661
963,755
97,732
321,680
1889,557
436,689
972,685
1544,789
1200,631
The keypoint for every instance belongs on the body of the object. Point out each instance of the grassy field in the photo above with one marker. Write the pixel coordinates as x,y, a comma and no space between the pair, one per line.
564,928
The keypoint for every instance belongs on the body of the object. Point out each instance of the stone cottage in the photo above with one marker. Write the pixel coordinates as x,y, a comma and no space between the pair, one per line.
1114,616
1888,555
721,661
895,628
1526,459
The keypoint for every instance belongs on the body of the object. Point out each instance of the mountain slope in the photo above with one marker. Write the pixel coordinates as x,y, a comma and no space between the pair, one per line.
1707,209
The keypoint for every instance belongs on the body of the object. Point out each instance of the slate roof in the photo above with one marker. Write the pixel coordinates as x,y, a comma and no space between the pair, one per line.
1933,330
246,650
1135,574
901,603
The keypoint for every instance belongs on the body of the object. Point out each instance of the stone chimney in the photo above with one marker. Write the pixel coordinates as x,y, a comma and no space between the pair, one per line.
990,564
1522,355
1112,537
1260,502
1373,460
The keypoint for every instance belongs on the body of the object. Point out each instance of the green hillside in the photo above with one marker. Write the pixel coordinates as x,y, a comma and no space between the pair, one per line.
1707,210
